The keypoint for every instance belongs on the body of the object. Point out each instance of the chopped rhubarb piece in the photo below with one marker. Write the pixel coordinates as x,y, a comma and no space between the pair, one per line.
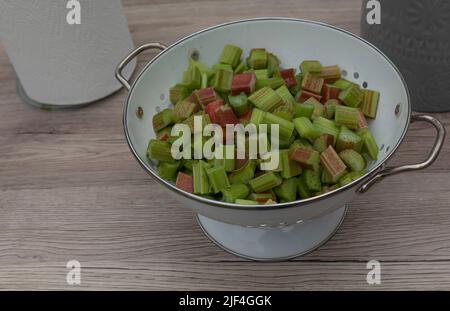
330,92
332,163
303,96
330,74
205,96
312,83
245,118
362,121
211,110
306,157
225,115
244,82
289,77
185,182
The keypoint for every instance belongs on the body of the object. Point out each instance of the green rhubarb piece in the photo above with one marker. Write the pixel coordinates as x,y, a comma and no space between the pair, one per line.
285,111
168,170
312,66
306,129
302,143
258,58
287,191
350,177
330,108
286,95
227,163
187,164
312,181
193,77
266,99
370,144
352,96
274,83
223,80
347,139
325,126
243,175
330,73
347,116
273,64
265,182
218,67
160,150
369,104
231,55
240,68
353,160
201,181
322,142
218,178
289,167
303,110
239,104
302,188
262,197
234,192
312,83
286,128
261,74
245,202
183,110
179,92
342,84
319,109
162,119
257,117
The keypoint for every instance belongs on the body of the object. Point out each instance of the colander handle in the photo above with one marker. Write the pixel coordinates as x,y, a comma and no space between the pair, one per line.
439,141
129,58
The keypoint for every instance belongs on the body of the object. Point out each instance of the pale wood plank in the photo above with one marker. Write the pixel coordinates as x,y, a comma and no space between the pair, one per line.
69,188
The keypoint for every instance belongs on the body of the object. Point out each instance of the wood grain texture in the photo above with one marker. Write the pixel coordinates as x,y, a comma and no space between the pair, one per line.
70,189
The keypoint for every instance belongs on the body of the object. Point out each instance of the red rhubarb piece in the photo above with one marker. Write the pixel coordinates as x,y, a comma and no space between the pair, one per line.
288,76
185,182
243,83
205,96
303,96
226,115
211,110
330,92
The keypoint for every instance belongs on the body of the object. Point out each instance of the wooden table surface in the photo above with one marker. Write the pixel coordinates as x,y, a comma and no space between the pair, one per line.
70,189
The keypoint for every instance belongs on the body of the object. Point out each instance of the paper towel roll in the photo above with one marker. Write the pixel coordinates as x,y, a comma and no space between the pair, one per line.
65,64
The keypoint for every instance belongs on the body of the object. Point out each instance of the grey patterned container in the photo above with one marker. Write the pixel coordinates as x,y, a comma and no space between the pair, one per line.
415,34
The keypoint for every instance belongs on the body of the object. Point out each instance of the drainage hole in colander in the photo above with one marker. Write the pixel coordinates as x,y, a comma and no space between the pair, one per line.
365,84
356,75
158,109
162,97
397,110
387,148
382,147
139,112
344,73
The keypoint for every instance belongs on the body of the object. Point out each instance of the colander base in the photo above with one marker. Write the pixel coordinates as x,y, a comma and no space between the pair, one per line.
273,244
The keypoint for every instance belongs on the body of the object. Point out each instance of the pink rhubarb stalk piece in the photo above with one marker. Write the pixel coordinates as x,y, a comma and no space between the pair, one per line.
243,83
185,182
288,76
332,163
211,109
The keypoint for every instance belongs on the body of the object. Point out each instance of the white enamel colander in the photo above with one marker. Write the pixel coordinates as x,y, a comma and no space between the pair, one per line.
285,230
